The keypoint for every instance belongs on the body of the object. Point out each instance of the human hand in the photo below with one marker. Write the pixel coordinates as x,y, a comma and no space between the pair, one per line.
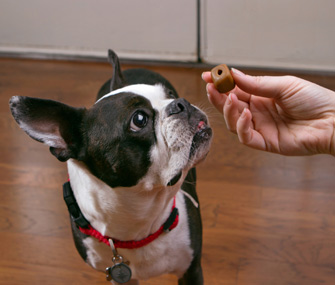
283,114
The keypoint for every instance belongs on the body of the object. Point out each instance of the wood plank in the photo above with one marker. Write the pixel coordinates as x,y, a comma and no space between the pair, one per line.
254,272
267,219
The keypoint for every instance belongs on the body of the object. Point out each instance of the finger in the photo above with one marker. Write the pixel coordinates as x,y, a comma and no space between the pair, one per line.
241,95
207,77
246,134
231,112
215,97
241,105
266,86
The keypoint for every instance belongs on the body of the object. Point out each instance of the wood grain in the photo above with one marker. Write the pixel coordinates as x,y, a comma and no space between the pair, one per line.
268,219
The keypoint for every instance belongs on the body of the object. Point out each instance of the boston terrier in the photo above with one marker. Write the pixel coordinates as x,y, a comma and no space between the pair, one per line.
131,189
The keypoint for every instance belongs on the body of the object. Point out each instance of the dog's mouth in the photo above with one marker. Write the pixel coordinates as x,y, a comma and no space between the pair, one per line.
199,148
203,133
187,140
201,138
201,126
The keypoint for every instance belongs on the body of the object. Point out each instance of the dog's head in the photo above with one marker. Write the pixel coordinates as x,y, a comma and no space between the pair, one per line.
137,133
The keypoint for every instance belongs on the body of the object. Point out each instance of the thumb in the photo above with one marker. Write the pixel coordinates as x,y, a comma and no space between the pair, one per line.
265,86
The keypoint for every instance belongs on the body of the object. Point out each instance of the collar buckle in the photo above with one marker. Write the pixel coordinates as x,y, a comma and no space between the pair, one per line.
71,203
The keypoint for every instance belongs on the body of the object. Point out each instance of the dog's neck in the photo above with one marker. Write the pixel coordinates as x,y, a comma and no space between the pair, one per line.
123,213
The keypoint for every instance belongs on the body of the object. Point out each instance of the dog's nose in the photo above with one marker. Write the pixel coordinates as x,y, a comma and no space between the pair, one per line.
177,106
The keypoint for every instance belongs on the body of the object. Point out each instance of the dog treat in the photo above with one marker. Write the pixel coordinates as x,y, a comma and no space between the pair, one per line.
222,78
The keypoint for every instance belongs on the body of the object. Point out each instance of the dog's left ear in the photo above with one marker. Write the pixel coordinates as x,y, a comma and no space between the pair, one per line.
117,80
53,123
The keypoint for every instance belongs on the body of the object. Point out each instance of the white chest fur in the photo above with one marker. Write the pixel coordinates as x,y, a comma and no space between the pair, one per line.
130,214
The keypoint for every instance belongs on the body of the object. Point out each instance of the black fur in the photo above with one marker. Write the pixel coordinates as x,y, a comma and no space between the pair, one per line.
78,238
193,276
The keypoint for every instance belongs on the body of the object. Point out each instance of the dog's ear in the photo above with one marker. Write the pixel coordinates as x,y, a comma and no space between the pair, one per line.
117,80
53,123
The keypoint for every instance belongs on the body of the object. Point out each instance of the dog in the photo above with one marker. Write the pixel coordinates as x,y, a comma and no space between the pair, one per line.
131,190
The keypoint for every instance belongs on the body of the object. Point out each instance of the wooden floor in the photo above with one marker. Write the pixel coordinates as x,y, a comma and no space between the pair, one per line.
267,219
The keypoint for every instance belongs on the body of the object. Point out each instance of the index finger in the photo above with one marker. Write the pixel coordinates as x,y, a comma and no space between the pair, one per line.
265,86
207,77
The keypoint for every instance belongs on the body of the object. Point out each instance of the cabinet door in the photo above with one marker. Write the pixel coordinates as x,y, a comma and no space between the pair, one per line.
145,29
275,34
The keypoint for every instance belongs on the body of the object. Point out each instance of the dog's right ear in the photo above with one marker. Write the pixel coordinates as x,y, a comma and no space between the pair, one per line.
117,80
53,123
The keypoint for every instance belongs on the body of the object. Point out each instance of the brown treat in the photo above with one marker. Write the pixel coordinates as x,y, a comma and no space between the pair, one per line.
222,78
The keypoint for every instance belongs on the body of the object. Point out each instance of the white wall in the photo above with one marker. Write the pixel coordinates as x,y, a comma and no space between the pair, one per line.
267,33
146,29
262,33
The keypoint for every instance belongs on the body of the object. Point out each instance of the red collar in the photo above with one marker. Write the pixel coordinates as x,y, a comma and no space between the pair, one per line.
86,228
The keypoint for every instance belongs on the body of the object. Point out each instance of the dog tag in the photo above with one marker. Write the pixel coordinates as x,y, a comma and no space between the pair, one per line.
120,272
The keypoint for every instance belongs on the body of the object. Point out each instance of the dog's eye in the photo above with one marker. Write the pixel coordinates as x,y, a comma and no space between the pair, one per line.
138,121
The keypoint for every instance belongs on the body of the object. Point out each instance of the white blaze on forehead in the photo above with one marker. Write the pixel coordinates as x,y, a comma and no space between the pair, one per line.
154,93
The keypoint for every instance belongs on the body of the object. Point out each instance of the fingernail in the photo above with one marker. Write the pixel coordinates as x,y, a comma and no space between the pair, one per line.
229,100
202,76
207,87
237,72
244,113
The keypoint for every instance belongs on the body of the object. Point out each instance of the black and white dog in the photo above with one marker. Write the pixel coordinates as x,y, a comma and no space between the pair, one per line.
131,190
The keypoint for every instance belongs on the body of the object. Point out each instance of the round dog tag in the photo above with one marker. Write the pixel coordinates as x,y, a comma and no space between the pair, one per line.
120,273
